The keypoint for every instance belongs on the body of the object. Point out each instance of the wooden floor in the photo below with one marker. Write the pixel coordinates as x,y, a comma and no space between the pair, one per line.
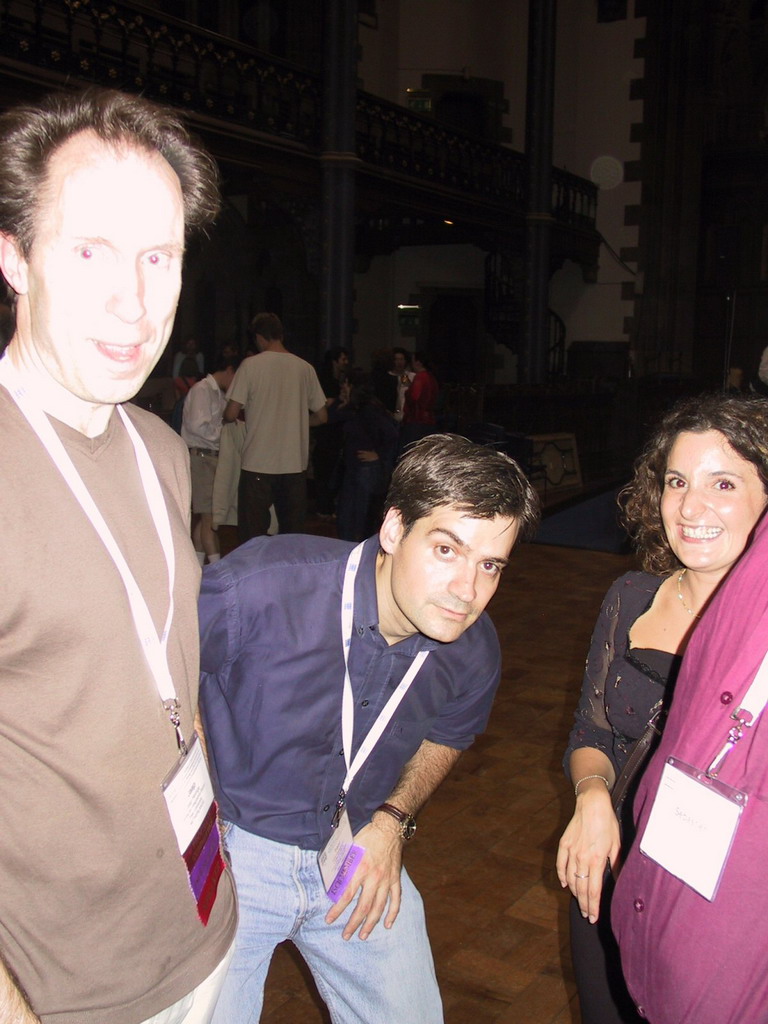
484,854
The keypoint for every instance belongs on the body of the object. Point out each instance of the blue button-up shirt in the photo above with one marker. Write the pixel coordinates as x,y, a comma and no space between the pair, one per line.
272,677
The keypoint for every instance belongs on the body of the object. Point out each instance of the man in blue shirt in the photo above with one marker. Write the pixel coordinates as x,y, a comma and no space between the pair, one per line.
339,687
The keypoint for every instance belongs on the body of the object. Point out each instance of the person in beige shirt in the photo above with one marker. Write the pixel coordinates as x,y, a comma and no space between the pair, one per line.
282,399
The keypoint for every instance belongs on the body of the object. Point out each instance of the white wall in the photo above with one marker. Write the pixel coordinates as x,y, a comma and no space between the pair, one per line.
482,38
593,118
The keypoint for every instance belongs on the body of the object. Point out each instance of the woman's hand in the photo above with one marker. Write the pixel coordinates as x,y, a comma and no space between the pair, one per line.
590,841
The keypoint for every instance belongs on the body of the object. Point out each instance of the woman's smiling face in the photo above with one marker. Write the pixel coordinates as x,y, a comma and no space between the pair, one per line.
711,501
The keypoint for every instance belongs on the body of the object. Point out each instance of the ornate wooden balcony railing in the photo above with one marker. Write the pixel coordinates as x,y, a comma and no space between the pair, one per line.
574,199
130,46
399,140
395,138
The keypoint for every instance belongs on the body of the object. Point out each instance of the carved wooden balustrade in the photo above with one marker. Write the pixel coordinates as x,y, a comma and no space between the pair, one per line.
399,140
129,46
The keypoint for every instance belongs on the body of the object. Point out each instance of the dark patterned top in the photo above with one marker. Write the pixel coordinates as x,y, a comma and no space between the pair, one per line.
622,686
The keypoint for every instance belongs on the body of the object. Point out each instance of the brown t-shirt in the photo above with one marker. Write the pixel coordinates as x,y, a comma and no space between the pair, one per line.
97,919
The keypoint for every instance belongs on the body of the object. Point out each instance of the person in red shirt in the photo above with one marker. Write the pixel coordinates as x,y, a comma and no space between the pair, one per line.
420,400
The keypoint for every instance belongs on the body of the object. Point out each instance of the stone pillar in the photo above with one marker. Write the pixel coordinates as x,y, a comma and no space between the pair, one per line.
542,21
339,164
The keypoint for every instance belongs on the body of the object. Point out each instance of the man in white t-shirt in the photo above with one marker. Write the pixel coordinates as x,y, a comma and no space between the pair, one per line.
282,399
201,430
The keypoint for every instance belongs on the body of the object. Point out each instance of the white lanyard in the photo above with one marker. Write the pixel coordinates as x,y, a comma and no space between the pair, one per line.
155,647
745,716
347,704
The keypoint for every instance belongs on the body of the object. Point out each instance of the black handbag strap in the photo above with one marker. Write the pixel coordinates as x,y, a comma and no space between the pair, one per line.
637,758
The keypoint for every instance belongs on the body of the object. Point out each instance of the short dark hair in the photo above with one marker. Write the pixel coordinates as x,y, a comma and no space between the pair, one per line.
332,355
222,361
447,469
31,134
7,326
743,422
268,325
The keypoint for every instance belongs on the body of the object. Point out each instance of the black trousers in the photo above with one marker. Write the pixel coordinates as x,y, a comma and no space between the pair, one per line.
257,491
603,994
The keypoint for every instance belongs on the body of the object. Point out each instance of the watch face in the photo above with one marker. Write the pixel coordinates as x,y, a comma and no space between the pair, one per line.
408,828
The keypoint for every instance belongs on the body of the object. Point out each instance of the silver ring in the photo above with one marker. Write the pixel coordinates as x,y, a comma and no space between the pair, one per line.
582,876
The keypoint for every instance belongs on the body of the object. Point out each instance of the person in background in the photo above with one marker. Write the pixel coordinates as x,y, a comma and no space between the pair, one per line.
698,490
187,371
102,782
402,372
201,431
188,361
370,445
420,401
328,437
282,398
383,381
230,351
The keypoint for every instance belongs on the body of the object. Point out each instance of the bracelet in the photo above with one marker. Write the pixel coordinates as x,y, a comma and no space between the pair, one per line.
586,777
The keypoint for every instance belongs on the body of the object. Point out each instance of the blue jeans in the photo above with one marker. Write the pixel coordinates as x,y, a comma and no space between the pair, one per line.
356,513
387,979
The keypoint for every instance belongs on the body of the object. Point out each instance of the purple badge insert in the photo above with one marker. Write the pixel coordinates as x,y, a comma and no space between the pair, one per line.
345,873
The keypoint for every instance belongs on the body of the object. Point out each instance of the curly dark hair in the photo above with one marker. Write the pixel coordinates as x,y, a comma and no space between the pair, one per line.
31,134
743,422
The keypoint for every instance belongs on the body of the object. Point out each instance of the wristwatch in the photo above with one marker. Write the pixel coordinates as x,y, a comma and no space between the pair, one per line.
407,821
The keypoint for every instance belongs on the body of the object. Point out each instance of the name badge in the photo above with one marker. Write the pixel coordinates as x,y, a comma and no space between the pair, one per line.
189,797
339,858
692,826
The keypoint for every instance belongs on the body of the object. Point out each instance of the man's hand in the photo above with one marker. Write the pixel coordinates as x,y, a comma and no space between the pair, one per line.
377,879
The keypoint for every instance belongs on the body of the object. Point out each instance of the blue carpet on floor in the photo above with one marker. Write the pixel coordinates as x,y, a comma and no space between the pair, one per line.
591,523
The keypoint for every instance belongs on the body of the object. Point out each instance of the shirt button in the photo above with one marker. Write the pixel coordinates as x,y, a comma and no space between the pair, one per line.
360,630
639,906
341,752
726,697
327,807
364,703
641,1010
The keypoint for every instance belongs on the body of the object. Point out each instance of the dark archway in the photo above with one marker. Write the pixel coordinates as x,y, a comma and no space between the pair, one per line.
453,336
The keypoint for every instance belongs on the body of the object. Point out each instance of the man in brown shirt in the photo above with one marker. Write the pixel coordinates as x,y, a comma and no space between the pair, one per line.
102,921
